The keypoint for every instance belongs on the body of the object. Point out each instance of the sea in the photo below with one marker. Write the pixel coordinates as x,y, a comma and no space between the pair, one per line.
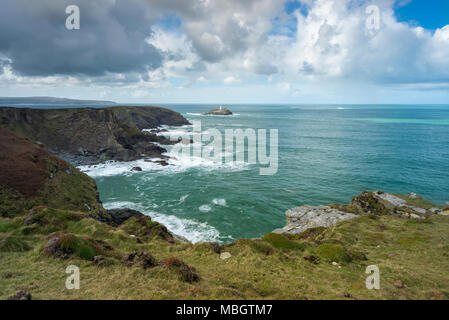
326,154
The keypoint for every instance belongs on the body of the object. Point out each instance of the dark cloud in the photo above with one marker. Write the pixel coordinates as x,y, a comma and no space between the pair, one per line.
111,38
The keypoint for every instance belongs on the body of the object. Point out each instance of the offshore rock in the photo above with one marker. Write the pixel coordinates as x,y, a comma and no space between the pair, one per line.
219,112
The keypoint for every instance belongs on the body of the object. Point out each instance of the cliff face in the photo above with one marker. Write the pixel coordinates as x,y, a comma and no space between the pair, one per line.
31,176
92,135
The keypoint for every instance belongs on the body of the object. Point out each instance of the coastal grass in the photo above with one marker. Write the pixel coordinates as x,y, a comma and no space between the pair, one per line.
416,252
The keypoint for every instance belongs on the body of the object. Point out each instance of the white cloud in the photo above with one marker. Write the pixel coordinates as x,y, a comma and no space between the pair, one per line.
231,80
233,42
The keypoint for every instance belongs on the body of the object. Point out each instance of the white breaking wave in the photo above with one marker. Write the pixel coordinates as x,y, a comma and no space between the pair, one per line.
193,231
176,165
205,208
219,202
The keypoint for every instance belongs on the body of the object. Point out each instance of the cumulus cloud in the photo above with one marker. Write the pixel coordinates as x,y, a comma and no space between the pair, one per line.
332,41
111,38
157,44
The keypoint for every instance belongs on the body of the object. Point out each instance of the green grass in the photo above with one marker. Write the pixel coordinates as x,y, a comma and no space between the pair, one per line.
280,241
275,267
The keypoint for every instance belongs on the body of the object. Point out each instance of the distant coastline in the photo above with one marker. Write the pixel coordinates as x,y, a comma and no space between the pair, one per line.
50,100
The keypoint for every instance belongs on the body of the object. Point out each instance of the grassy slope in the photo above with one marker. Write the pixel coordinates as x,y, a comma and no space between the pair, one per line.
31,176
413,251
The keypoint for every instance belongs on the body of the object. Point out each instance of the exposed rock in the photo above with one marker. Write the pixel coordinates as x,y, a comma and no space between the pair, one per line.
186,272
93,135
225,255
413,195
30,218
415,216
63,244
446,205
435,210
53,246
118,216
102,261
179,238
347,295
393,202
381,203
216,247
312,259
399,284
136,169
219,112
141,258
161,162
302,218
21,295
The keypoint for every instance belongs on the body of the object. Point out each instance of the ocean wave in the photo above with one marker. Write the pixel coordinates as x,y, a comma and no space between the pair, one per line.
205,208
219,202
176,165
193,231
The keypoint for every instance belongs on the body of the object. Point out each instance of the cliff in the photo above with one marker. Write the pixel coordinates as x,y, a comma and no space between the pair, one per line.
92,135
31,176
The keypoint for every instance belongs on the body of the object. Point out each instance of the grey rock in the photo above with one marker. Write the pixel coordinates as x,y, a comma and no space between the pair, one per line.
417,209
21,295
225,255
302,218
391,202
413,195
435,210
136,169
179,238
446,204
415,216
118,216
219,112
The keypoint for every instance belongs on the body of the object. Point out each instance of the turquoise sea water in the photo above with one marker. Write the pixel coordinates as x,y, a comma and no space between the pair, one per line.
326,154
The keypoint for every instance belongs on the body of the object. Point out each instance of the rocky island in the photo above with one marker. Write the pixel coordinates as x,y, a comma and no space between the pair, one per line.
93,135
219,112
51,217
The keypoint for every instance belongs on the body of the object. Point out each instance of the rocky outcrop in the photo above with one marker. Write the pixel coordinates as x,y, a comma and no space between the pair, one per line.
93,135
140,258
302,218
142,225
21,295
118,216
219,112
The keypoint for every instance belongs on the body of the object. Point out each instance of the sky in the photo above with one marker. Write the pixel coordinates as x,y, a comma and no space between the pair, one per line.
228,51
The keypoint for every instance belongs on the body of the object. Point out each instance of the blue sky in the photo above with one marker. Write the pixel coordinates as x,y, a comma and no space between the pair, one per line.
233,51
430,14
